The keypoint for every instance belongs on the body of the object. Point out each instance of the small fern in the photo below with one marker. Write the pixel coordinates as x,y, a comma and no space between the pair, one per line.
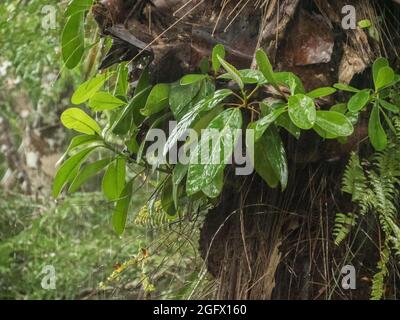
374,188
153,217
343,224
378,281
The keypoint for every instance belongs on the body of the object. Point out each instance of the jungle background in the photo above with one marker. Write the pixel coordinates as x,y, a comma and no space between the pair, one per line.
73,235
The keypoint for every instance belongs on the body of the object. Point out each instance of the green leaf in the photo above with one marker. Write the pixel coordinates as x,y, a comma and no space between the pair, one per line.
204,166
262,125
365,23
232,71
376,133
345,87
104,101
265,66
260,159
86,173
182,97
323,133
81,140
214,189
178,174
192,78
157,100
389,106
78,6
384,78
126,119
249,76
334,123
302,111
359,100
143,82
339,107
87,89
290,80
73,41
377,66
159,120
167,199
121,209
285,122
205,119
114,179
321,92
203,105
121,87
218,51
78,120
204,65
68,170
276,155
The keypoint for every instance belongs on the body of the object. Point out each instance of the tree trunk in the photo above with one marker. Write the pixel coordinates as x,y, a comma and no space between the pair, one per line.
261,243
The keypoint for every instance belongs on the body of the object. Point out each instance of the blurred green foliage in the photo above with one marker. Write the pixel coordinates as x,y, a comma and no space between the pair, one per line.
76,238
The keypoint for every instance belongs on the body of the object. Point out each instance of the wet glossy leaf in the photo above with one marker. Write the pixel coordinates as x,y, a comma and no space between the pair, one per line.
206,162
358,101
345,87
376,133
289,80
321,92
78,120
302,111
323,133
104,101
285,122
78,6
121,209
81,140
259,158
182,97
340,107
265,66
334,123
214,189
218,51
114,179
377,66
192,78
87,89
73,41
365,23
232,71
167,201
86,173
157,100
389,106
68,170
384,78
276,155
127,117
203,105
249,76
178,174
261,125
122,85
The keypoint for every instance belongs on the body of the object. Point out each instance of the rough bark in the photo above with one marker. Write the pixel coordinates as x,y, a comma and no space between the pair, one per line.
266,244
